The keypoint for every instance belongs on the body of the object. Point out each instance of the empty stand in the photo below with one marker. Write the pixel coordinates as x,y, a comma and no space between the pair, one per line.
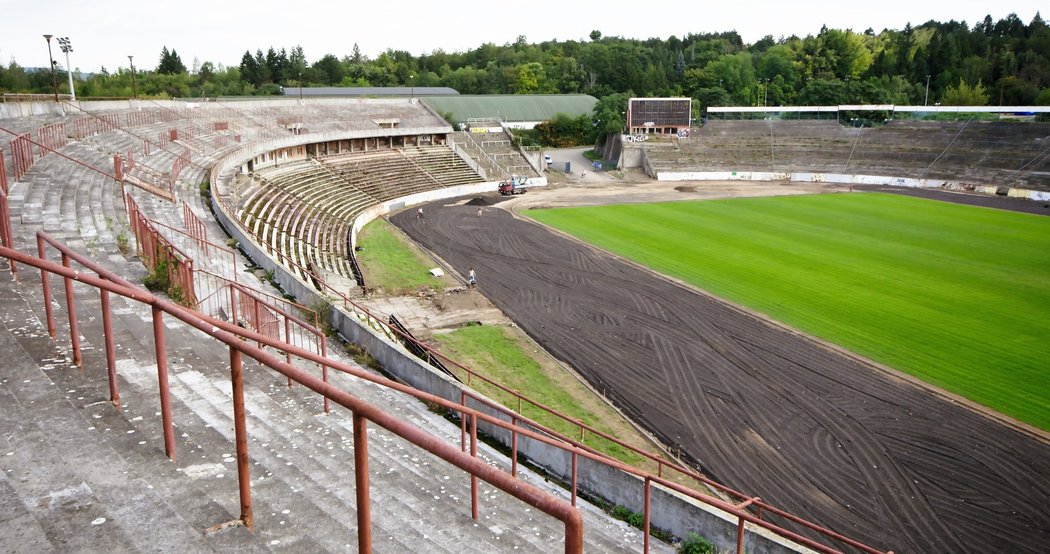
1002,153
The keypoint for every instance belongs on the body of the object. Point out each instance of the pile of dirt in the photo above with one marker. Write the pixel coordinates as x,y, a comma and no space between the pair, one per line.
485,201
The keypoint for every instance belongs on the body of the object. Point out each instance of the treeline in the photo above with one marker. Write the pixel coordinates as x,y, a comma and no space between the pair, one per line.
989,63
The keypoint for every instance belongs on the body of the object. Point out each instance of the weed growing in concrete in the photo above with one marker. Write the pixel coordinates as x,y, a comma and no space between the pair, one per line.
122,241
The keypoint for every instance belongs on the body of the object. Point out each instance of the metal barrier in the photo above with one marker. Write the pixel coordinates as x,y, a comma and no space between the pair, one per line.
190,244
158,253
6,236
21,154
178,165
51,137
237,340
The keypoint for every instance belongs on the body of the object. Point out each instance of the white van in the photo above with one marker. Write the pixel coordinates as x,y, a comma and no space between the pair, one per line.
547,159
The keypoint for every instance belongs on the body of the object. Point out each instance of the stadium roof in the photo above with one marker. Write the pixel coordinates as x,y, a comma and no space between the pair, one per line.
513,107
370,91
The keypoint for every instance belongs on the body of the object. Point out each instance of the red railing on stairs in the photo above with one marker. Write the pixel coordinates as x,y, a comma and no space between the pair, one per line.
239,342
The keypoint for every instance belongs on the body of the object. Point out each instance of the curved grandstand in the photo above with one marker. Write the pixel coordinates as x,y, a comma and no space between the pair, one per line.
967,154
292,183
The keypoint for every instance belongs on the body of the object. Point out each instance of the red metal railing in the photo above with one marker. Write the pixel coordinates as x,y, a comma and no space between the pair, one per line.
51,137
138,119
190,244
94,124
21,154
6,236
178,165
194,226
231,335
157,252
22,149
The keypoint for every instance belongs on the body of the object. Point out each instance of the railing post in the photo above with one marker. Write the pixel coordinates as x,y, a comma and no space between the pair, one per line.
324,372
241,437
474,478
45,282
575,463
740,536
463,421
234,297
647,512
74,333
287,339
364,507
255,303
162,382
514,446
111,356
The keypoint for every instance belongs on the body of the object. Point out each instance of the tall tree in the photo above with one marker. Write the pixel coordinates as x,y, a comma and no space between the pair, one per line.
170,63
249,69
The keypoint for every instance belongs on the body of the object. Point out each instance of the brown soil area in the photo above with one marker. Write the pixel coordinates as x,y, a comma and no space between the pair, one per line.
761,408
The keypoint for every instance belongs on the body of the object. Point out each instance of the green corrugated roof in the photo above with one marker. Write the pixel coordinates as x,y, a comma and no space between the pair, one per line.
512,107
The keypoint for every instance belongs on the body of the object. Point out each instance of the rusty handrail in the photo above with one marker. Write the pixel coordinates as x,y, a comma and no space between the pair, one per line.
202,244
232,336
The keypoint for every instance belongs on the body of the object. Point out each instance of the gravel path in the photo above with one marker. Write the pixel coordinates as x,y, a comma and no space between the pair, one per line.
760,408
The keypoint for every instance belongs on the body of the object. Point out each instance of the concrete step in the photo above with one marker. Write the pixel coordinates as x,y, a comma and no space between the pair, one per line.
80,492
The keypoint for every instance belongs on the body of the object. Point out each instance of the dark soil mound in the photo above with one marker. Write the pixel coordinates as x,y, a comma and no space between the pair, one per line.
485,200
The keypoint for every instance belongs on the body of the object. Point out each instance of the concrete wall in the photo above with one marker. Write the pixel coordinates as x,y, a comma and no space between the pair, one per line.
419,198
26,109
631,156
846,179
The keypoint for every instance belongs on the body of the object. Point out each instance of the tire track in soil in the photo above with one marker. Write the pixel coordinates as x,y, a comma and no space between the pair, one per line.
762,409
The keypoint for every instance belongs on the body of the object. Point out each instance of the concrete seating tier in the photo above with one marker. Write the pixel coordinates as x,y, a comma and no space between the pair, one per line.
304,208
496,153
299,209
443,164
389,174
991,152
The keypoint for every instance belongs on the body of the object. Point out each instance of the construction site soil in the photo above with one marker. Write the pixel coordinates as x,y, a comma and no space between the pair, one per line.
764,409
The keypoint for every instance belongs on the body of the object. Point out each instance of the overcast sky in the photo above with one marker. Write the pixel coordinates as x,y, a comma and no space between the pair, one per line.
105,32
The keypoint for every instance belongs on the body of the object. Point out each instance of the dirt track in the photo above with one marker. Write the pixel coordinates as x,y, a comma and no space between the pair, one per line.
761,409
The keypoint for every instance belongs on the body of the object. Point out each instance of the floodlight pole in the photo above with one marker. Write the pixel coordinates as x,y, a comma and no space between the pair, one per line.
300,88
412,84
926,102
134,89
54,81
67,48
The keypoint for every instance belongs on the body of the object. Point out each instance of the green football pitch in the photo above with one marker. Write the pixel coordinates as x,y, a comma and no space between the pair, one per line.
955,295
